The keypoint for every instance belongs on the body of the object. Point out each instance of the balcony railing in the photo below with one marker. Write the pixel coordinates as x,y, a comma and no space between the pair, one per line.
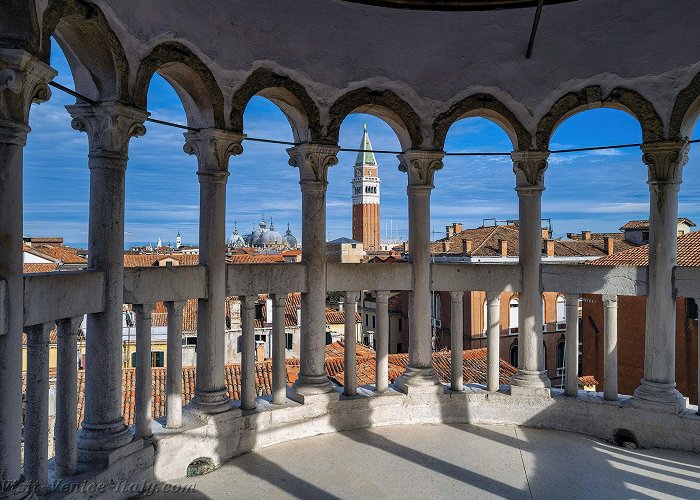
63,297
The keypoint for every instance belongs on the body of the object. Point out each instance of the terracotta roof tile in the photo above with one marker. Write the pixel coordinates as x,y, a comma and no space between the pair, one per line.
148,260
644,224
66,255
260,258
688,254
33,267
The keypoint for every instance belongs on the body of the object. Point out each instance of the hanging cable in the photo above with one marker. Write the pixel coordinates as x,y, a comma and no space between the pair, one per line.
350,150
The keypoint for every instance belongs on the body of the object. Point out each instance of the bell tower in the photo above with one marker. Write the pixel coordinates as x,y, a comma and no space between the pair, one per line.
365,196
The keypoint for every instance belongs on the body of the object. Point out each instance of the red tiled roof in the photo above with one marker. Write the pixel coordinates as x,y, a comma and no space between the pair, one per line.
688,254
395,303
66,255
334,317
34,267
644,224
587,380
148,260
260,258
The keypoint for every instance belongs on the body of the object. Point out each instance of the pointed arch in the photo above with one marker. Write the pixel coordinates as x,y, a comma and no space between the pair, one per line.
589,98
189,76
95,54
291,97
686,110
383,104
484,106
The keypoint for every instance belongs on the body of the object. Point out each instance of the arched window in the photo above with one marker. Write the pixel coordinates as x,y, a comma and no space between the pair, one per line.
561,346
514,354
513,322
561,313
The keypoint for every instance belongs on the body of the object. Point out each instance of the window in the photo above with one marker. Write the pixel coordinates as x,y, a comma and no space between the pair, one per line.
645,236
561,313
561,348
692,307
189,340
260,338
514,355
158,359
681,232
366,319
436,310
169,263
290,340
258,311
513,320
400,324
374,321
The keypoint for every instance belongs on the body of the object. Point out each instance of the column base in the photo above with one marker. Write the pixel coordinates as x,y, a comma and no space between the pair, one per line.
530,383
659,396
420,380
314,387
98,442
210,402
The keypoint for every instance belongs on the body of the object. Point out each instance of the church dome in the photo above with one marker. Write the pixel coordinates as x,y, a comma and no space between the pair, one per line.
289,239
235,240
270,237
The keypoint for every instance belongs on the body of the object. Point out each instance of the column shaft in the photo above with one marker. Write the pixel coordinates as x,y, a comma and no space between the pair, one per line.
173,382
36,420
279,342
457,341
313,161
571,346
381,339
248,352
213,148
493,326
610,337
143,414
350,352
65,430
665,163
529,168
109,127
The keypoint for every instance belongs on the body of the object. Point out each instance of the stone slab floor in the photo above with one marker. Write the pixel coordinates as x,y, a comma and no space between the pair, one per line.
451,461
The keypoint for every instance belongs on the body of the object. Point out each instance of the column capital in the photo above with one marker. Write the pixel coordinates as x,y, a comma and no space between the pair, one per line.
610,300
109,127
529,167
175,307
420,166
665,160
278,299
143,311
313,161
213,147
490,296
382,296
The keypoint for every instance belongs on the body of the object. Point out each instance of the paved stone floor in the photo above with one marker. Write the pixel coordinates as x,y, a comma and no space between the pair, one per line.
451,461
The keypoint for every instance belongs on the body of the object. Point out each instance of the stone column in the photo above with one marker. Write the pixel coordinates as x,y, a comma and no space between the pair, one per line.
144,378
697,326
381,340
350,352
571,362
248,352
610,390
529,168
36,418
213,147
23,80
493,327
665,161
457,341
313,161
65,430
279,342
173,381
109,127
421,167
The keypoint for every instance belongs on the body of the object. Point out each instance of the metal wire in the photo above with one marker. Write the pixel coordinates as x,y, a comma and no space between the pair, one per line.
377,151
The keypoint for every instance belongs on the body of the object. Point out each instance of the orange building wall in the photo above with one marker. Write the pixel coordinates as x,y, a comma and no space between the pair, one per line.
366,225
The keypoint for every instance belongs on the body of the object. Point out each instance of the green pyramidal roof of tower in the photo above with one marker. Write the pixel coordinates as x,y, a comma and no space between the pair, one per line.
366,158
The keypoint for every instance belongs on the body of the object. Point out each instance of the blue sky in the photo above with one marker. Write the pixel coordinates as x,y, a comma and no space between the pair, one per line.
597,191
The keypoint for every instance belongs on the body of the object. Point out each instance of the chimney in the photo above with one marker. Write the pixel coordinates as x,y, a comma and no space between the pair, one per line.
259,353
457,227
503,248
466,247
549,247
445,246
586,235
545,233
448,231
608,245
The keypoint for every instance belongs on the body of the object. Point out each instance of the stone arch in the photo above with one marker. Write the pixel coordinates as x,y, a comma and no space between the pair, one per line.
686,110
484,106
95,54
190,77
383,104
291,97
590,98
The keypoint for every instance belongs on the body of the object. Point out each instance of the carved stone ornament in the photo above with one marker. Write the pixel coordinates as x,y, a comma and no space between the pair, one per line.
665,161
23,81
313,161
420,166
213,147
529,168
109,127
